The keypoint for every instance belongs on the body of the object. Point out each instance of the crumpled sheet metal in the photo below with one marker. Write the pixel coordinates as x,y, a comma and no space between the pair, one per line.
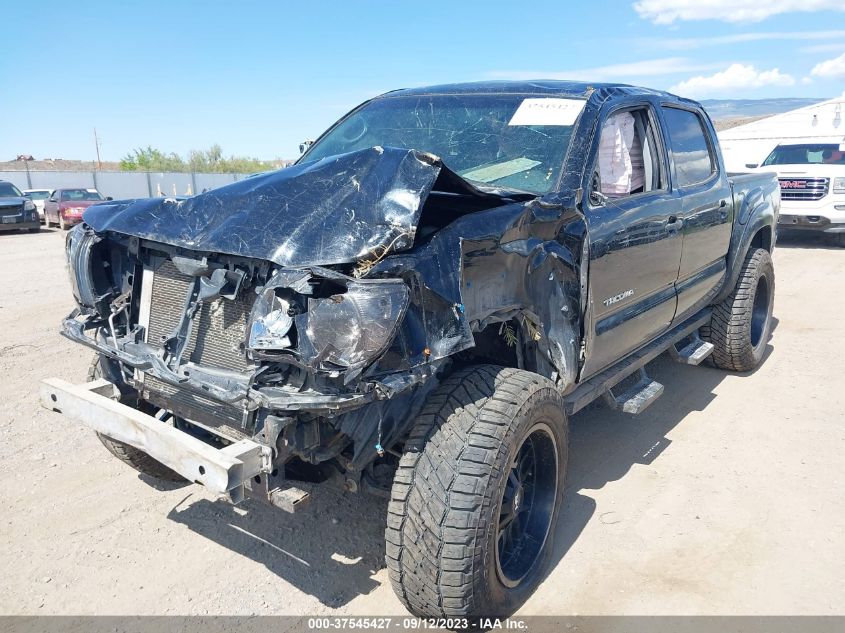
337,210
516,260
506,260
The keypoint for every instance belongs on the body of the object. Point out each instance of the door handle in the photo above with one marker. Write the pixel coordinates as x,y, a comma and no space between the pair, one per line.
723,203
674,223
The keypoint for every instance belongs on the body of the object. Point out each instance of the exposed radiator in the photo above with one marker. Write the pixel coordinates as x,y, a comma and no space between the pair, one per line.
217,340
219,329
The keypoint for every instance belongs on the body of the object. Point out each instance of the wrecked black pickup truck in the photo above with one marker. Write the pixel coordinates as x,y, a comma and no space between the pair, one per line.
416,307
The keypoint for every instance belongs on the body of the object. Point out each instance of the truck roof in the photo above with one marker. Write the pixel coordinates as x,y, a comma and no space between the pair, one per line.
545,87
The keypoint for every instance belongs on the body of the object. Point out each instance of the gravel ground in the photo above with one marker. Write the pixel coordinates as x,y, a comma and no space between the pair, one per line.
725,497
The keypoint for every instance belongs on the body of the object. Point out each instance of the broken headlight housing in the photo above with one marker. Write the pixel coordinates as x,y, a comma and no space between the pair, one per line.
270,323
78,246
350,329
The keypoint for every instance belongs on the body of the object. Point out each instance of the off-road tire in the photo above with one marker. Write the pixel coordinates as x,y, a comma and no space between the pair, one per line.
137,459
741,324
444,513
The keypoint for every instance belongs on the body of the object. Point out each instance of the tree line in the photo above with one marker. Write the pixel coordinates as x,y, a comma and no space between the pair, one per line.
210,160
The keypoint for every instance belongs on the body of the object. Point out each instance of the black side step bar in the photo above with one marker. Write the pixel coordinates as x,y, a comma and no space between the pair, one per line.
606,380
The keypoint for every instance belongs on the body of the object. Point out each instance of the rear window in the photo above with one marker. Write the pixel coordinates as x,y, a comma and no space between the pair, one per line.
80,194
694,160
38,195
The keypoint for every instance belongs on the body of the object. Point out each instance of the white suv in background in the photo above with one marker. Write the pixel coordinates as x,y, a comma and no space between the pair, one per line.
812,187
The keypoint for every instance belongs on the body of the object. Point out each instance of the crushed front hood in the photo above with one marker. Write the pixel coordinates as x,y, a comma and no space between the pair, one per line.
336,210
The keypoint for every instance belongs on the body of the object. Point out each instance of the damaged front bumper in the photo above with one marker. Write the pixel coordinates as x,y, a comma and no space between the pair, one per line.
225,471
229,388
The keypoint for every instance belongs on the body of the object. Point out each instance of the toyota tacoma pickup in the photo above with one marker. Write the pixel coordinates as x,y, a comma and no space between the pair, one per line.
812,185
417,307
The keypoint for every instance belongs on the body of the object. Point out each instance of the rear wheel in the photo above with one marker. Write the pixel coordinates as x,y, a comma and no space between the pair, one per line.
128,454
477,494
740,326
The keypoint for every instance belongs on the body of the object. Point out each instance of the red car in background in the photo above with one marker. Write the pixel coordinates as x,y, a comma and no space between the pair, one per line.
65,206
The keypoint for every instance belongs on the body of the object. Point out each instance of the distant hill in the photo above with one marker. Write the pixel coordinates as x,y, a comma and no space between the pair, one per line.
720,109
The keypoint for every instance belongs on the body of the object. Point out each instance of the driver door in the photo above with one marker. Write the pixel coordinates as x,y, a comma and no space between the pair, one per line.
635,250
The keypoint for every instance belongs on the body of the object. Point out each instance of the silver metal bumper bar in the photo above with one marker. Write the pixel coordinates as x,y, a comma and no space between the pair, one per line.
221,470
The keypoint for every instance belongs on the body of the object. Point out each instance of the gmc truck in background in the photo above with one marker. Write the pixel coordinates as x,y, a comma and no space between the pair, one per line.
417,307
812,187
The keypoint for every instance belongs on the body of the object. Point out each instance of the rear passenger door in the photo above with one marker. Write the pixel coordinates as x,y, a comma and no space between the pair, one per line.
706,206
635,251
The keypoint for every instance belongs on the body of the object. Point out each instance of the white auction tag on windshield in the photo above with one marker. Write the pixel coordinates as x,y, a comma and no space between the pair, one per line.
547,112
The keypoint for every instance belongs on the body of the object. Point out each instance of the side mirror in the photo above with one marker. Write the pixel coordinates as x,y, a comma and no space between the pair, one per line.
304,145
598,199
751,165
51,199
109,198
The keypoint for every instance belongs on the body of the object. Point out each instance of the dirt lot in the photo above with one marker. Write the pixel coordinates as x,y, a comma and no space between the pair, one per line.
726,497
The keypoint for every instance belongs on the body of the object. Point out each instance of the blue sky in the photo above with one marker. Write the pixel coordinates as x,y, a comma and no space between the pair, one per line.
259,77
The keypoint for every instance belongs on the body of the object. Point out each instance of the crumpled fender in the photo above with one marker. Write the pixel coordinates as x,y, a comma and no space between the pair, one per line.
520,261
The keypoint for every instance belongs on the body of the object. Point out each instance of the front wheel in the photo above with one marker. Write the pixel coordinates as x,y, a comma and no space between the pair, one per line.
477,494
740,326
62,224
130,455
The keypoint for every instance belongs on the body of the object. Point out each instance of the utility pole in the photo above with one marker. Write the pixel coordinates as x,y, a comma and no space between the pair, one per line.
28,177
97,146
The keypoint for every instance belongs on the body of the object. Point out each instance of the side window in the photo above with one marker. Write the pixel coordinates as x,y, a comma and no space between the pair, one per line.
629,160
694,160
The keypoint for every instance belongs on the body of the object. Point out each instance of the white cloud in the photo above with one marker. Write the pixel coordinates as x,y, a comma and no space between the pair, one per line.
739,38
668,11
823,48
734,77
613,72
831,68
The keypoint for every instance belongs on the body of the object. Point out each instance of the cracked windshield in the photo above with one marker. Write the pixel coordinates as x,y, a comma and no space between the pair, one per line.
505,141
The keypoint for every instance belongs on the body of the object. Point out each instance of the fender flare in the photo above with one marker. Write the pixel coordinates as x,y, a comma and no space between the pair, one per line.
757,213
